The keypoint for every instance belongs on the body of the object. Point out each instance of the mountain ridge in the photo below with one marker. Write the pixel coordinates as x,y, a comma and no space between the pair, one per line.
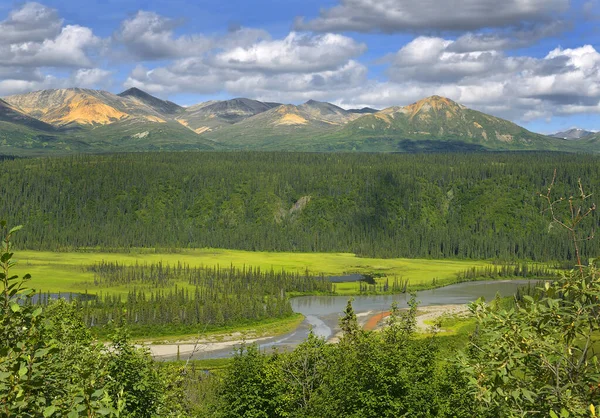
136,120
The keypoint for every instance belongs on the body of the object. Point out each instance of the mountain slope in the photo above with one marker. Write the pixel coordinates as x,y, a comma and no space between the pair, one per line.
364,110
164,107
210,116
9,114
21,134
82,107
139,135
574,133
436,123
280,128
99,121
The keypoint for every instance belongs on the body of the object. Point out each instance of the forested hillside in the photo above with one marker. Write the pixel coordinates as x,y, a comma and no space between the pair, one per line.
432,205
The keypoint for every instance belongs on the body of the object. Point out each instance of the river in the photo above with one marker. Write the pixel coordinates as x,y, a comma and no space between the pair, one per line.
323,312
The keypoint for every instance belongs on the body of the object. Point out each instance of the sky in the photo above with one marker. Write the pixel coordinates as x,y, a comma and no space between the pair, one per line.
535,62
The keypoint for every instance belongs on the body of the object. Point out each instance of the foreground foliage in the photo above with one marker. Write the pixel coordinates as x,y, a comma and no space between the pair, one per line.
51,367
538,356
534,357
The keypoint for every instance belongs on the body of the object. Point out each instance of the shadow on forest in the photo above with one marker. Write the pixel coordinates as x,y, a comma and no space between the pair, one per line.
428,145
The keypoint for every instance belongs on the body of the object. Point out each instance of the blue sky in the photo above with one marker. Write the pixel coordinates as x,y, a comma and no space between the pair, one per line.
536,62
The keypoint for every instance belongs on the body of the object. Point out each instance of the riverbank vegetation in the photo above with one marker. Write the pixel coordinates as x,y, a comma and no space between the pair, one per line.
529,357
174,301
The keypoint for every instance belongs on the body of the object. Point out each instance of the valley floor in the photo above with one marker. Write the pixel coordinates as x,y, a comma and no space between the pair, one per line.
67,271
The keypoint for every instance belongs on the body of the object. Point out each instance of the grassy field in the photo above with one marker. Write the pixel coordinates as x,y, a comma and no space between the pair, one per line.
66,272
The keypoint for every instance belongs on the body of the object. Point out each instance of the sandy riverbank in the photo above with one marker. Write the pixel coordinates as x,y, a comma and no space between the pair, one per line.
367,320
206,345
425,316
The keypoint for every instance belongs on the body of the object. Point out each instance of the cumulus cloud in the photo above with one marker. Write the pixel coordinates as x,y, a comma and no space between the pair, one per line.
508,39
298,65
187,75
290,87
192,75
68,49
9,86
149,36
295,53
34,45
436,15
431,59
32,22
33,35
91,77
565,81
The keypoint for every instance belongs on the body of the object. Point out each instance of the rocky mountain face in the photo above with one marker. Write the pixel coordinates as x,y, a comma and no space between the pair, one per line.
280,126
574,133
163,107
209,116
83,107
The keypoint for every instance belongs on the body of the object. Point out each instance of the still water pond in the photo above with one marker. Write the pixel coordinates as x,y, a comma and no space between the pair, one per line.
322,312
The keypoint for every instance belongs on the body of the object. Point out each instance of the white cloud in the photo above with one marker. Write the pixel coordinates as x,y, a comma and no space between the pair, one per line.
9,86
192,75
410,15
292,87
35,46
295,53
432,59
68,49
32,22
149,36
565,81
295,66
91,77
507,39
187,75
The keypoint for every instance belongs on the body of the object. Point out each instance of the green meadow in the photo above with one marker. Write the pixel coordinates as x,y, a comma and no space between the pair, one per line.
67,271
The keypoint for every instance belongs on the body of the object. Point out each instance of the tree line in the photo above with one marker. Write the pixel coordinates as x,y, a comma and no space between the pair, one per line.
426,205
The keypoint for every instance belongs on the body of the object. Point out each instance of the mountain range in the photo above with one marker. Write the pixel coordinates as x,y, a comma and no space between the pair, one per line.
83,120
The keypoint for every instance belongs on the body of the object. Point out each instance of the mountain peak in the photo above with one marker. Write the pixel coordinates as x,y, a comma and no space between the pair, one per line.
573,133
134,91
437,102
156,104
433,104
324,108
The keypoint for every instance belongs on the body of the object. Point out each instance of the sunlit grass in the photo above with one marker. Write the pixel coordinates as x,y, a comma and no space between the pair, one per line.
65,272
